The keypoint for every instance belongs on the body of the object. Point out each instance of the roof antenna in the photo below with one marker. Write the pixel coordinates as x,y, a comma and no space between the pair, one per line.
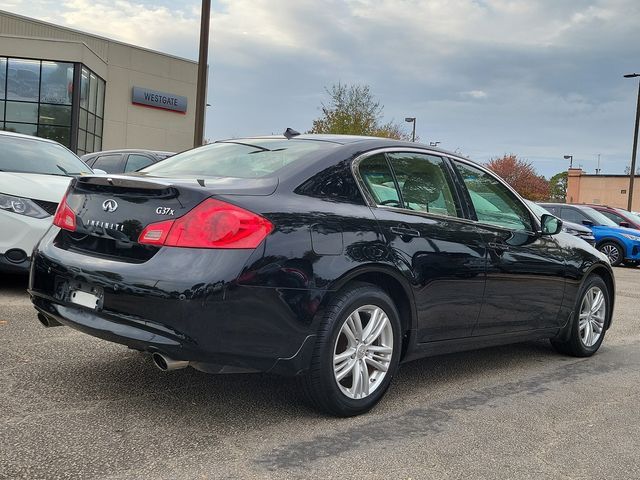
290,133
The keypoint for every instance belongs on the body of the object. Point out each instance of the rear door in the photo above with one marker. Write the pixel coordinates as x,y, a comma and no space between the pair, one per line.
441,253
525,270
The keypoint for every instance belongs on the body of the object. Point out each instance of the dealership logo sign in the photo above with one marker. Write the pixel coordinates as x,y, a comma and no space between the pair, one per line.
156,99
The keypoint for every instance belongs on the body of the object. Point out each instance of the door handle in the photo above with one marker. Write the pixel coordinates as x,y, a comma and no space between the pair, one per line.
499,246
405,231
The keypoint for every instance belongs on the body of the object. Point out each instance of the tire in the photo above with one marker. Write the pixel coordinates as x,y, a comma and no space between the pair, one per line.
613,251
578,343
338,352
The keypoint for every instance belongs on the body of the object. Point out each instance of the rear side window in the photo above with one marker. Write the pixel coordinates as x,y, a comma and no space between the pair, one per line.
493,202
108,163
136,162
378,179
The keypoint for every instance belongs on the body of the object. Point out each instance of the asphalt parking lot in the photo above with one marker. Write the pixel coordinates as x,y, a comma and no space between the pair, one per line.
77,407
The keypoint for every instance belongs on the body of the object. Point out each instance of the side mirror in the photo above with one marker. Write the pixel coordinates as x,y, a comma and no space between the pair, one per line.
625,224
587,223
550,225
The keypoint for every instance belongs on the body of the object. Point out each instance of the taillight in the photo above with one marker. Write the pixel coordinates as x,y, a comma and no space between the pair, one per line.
212,224
65,217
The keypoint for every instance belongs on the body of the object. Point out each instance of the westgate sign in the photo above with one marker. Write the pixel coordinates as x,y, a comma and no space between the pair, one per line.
163,100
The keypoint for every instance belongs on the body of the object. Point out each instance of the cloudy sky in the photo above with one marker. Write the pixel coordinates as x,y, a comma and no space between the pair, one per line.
538,78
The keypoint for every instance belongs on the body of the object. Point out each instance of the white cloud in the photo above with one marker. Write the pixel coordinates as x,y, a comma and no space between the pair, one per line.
477,94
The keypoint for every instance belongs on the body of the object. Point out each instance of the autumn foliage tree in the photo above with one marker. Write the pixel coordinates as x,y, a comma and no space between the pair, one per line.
521,175
353,110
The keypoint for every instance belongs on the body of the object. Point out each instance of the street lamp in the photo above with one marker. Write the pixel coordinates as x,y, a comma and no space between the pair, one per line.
632,173
413,133
434,144
570,158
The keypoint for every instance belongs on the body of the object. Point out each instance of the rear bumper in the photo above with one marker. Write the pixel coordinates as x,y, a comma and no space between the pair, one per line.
187,305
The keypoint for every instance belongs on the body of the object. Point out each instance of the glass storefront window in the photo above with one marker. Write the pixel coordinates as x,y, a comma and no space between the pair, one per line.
82,139
59,134
57,83
82,122
23,80
84,88
91,123
3,77
55,115
100,99
22,112
36,98
26,128
89,146
93,92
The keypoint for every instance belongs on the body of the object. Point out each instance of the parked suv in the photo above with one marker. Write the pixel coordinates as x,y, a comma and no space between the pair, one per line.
619,244
621,217
123,161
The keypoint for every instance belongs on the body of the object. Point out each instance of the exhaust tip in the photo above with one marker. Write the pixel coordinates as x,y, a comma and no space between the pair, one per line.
166,364
48,321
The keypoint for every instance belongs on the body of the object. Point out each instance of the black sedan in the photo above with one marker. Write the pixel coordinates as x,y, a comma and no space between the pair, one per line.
330,258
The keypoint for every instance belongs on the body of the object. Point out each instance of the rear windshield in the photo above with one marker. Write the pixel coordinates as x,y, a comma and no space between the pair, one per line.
250,158
24,155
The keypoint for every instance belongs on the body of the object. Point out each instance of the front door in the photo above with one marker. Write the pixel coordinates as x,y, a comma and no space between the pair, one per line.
525,282
441,253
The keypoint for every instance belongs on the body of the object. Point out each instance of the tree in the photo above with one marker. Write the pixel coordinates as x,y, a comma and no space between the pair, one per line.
521,175
627,170
558,187
353,110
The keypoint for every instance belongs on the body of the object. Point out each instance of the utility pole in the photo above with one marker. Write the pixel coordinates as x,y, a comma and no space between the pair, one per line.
201,88
598,167
632,173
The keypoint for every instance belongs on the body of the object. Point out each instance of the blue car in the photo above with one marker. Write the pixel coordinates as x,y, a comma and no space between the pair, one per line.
619,244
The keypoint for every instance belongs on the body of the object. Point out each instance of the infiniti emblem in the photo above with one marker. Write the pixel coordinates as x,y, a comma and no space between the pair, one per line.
109,205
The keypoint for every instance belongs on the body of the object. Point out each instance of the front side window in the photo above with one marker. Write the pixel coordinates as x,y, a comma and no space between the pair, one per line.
136,162
573,215
493,202
424,183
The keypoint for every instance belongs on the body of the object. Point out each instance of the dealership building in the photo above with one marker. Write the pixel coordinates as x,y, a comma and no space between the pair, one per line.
92,93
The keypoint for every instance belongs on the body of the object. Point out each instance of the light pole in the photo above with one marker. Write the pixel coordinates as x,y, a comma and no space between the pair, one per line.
434,144
632,173
413,133
570,158
201,87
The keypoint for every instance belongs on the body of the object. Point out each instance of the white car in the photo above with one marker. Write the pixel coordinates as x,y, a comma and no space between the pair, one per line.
34,175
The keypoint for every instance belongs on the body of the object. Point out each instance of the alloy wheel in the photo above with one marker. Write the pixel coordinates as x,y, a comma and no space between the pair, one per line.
612,252
363,351
593,311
